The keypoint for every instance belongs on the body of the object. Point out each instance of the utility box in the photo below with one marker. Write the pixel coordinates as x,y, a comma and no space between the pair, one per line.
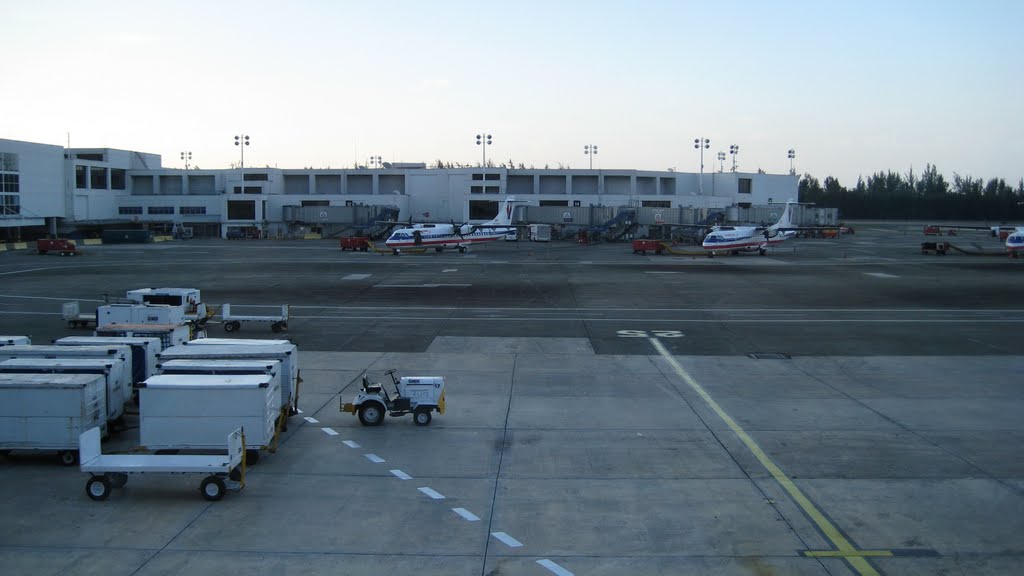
540,232
199,411
15,340
115,371
50,411
144,351
140,314
286,354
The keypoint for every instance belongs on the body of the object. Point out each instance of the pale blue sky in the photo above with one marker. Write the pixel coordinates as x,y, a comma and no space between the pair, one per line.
854,87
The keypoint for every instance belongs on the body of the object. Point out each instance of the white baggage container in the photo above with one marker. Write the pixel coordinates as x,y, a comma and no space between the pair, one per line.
144,351
236,342
187,298
286,354
49,411
169,334
197,411
140,314
15,340
270,368
114,370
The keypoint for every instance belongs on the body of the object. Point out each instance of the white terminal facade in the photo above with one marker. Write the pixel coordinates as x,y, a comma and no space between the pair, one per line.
83,190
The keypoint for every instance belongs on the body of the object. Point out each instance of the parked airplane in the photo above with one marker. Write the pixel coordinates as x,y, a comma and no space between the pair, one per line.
1015,242
736,239
441,236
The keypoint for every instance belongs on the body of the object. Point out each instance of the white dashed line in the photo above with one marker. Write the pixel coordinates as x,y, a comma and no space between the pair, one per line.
508,540
554,567
299,411
374,458
312,420
350,444
356,277
466,514
431,492
880,275
401,475
450,270
329,431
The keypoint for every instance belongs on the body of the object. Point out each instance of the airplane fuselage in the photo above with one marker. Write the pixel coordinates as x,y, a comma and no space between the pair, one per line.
741,239
441,236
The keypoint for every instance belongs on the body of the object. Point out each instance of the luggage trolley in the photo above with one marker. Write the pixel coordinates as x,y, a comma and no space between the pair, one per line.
233,322
108,471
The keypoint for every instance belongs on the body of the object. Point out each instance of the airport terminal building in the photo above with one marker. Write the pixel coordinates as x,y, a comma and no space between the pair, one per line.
80,191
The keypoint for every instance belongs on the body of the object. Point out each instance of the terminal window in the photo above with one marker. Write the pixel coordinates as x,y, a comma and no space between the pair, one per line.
10,205
161,210
128,210
81,174
9,183
98,178
192,210
242,210
745,185
256,178
117,178
8,161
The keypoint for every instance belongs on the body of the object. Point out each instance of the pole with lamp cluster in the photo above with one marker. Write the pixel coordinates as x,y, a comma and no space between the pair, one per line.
734,149
701,144
590,150
483,140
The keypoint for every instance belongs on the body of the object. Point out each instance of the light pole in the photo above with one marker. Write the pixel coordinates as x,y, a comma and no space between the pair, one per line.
186,156
375,162
242,141
791,154
721,162
734,149
591,151
483,140
701,144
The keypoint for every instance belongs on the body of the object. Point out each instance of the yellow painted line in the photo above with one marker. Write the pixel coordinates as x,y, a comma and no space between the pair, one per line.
844,546
856,553
93,241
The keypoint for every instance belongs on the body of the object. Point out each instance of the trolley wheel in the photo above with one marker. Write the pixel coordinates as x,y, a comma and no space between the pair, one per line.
421,416
371,414
232,326
68,457
438,249
98,487
117,480
252,456
762,251
275,327
212,488
72,324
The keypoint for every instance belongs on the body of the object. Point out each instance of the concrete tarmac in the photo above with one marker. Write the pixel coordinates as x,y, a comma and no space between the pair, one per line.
844,406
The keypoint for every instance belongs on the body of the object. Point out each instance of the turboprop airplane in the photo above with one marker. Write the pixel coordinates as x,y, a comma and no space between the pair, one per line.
461,236
736,239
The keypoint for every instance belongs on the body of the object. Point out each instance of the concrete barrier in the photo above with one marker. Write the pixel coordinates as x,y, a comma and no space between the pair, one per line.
19,246
92,241
313,236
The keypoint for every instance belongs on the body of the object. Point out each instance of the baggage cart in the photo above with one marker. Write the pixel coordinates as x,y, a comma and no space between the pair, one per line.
15,341
115,371
108,471
233,322
75,318
144,351
49,411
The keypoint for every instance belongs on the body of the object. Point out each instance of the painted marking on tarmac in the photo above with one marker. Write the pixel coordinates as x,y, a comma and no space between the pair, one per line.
450,270
350,444
554,567
374,458
508,540
880,275
312,420
329,431
401,474
661,272
848,551
356,277
299,411
466,514
431,492
422,285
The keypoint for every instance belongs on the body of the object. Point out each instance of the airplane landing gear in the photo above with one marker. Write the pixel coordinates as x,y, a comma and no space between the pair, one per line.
462,249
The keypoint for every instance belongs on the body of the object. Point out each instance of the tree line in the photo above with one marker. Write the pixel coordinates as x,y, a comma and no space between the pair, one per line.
928,196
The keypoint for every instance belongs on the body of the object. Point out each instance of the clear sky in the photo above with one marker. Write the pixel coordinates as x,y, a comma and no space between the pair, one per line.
854,87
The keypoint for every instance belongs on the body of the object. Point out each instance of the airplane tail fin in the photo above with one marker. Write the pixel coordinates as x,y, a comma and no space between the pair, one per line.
504,215
786,221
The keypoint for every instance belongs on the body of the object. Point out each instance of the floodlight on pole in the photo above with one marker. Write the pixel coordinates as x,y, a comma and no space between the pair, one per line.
721,162
242,141
791,154
483,140
590,150
186,156
375,162
701,144
734,149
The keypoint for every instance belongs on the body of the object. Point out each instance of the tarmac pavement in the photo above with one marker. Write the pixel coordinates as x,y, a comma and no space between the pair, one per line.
604,414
